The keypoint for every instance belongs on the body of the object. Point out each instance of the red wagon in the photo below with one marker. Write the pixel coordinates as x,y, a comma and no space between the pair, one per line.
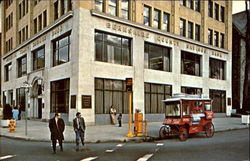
187,114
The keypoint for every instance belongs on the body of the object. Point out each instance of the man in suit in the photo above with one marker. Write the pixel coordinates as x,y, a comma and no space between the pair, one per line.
79,128
56,126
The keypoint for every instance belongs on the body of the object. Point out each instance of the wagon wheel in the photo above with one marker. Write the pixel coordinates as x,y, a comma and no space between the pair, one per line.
183,134
209,129
164,132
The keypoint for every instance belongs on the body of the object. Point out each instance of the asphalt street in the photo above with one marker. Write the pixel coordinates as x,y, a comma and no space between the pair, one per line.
224,146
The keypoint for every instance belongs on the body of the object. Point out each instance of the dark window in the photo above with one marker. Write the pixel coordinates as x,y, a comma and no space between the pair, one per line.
45,18
56,10
20,11
7,69
61,48
35,26
112,49
166,22
197,5
70,5
190,30
22,66
210,8
222,40
216,38
222,14
125,9
99,5
182,27
40,22
183,2
216,11
146,15
190,64
219,100
113,7
197,32
190,4
154,94
157,57
110,92
191,90
20,98
26,33
39,58
60,96
210,37
217,69
63,5
156,22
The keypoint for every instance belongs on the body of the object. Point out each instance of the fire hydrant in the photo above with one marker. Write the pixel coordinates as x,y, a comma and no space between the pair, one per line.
12,125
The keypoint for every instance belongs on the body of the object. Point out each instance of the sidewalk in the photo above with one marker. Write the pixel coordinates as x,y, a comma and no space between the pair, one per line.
39,131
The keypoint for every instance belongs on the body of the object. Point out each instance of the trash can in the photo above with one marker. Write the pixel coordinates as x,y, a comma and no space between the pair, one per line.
138,124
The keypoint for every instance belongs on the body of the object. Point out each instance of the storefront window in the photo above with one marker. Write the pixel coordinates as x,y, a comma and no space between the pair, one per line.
60,96
154,94
219,100
39,58
7,69
190,64
112,49
22,66
217,69
156,57
110,92
61,48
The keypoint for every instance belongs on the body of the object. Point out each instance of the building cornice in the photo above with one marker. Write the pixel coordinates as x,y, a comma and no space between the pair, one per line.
150,29
37,35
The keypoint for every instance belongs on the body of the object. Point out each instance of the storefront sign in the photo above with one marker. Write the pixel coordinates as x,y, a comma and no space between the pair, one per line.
196,48
39,40
128,30
57,30
163,39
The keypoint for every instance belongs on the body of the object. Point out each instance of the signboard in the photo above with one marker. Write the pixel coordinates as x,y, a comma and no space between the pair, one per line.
86,101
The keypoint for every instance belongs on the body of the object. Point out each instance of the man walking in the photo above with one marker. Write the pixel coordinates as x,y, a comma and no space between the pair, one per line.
112,112
79,128
56,126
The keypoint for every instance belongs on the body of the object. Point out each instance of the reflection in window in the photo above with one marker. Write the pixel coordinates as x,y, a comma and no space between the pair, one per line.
39,58
156,57
61,49
146,14
125,7
190,64
22,66
182,27
156,23
166,22
99,5
217,69
113,7
210,37
190,4
173,109
112,49
154,94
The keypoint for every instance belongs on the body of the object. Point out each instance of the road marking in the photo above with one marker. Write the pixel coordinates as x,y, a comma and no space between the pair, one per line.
109,150
145,157
7,157
159,144
119,145
89,159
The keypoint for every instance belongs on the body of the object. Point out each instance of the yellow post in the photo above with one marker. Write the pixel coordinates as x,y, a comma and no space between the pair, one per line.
146,127
130,134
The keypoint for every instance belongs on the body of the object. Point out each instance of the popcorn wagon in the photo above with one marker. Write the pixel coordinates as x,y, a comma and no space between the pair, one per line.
187,114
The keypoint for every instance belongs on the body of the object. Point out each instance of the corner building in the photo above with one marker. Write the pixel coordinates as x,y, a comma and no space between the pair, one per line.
76,55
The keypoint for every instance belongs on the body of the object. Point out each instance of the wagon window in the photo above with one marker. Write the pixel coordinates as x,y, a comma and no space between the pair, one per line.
173,109
185,110
207,107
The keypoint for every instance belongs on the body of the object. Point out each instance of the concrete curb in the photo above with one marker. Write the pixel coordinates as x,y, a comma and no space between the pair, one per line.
135,139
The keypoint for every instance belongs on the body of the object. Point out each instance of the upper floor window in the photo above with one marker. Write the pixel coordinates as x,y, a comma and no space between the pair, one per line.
35,25
113,7
36,2
210,37
210,8
61,48
216,11
7,69
183,2
125,9
190,30
222,14
38,58
217,69
216,38
8,45
63,6
156,57
190,63
8,3
197,5
56,10
9,22
190,4
182,27
45,18
112,49
146,14
156,23
23,8
23,34
166,22
99,5
197,32
222,40
22,66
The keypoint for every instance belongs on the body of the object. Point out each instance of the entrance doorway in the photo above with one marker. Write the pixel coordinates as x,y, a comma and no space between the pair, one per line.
40,106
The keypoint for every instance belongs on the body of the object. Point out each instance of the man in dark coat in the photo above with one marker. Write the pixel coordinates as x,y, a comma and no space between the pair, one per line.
79,128
56,126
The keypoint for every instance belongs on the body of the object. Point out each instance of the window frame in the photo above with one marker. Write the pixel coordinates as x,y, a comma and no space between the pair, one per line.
35,57
21,64
191,59
183,29
148,17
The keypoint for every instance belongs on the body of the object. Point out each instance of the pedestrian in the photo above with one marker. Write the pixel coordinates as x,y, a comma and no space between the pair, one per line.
56,126
112,114
120,120
15,113
79,128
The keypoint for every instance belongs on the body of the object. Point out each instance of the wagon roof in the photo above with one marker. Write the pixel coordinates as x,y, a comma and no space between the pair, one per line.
185,98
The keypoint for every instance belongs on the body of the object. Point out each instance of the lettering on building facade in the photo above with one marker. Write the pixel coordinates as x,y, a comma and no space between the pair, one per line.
162,39
38,41
57,30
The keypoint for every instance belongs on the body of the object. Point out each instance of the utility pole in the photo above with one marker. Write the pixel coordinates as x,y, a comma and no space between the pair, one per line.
246,93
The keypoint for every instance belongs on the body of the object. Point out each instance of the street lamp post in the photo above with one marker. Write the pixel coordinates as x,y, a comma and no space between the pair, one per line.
129,87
